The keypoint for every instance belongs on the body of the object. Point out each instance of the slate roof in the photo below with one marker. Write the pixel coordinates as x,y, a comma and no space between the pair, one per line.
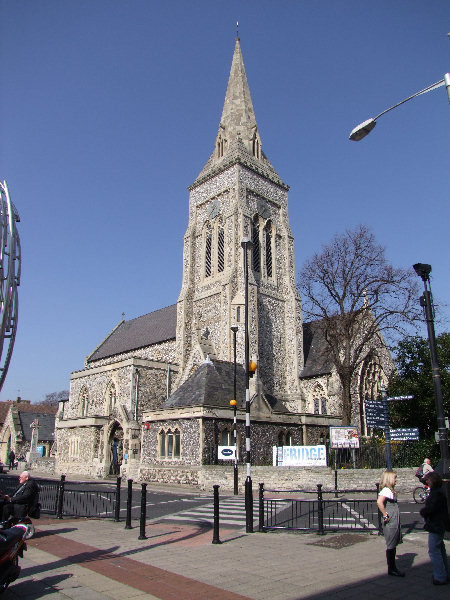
212,385
46,425
314,350
152,328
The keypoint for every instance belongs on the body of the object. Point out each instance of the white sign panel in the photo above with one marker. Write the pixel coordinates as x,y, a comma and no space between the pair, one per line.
225,452
344,437
300,456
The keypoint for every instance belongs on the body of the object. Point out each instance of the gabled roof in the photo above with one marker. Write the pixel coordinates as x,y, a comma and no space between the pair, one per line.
212,385
152,328
25,406
315,350
46,425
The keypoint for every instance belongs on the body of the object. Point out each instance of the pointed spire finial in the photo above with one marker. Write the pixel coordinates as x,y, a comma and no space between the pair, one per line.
237,30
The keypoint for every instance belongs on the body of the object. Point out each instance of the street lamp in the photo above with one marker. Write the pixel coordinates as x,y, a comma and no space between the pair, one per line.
426,301
233,403
363,129
247,245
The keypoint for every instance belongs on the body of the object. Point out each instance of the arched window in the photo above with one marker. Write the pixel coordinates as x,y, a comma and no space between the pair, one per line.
162,444
169,443
238,314
84,401
268,235
319,400
208,252
225,438
111,397
256,245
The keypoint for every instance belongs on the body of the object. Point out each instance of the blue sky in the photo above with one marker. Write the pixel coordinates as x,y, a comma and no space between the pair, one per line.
109,110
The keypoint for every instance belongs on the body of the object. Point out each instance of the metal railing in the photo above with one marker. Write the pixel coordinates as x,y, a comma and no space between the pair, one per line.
72,499
318,514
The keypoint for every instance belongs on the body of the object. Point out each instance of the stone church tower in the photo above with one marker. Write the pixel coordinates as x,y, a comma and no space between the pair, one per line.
238,194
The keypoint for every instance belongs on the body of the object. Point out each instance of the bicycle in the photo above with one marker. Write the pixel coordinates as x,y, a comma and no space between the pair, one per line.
420,494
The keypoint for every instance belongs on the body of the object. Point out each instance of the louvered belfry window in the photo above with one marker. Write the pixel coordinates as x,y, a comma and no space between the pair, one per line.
220,250
256,246
268,229
208,253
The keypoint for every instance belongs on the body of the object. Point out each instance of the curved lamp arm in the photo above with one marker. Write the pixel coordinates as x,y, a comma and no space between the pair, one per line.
363,129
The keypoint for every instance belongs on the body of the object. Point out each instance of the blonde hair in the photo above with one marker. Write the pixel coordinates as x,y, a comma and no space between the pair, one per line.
388,480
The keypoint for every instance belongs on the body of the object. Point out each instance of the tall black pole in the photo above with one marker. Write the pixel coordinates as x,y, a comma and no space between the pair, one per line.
426,301
247,244
234,329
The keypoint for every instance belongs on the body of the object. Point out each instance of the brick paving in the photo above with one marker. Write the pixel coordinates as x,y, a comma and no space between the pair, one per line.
98,559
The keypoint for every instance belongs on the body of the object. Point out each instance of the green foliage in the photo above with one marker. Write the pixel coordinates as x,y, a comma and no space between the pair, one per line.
414,377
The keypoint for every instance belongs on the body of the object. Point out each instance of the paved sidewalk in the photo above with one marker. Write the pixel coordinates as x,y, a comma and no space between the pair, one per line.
98,559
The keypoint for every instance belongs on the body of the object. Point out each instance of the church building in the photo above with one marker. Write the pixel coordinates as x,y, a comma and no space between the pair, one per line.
155,394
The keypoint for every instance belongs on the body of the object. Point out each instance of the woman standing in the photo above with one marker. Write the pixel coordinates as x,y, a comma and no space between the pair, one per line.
437,522
387,503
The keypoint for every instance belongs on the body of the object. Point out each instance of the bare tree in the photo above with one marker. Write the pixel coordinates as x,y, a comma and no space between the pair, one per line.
358,298
55,397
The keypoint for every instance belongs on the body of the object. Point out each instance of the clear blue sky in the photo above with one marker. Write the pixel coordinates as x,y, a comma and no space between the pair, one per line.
109,110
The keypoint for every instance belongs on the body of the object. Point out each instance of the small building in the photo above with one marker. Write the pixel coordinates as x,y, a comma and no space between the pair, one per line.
16,429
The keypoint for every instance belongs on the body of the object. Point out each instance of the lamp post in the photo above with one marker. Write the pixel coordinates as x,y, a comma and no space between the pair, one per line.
247,245
426,301
363,129
233,403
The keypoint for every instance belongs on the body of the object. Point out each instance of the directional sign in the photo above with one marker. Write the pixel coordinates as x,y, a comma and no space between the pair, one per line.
400,398
375,414
411,433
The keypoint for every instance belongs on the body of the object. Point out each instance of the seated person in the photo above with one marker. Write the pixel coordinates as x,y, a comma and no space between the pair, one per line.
24,498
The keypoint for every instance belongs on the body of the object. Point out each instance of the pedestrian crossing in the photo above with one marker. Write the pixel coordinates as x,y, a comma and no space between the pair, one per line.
231,512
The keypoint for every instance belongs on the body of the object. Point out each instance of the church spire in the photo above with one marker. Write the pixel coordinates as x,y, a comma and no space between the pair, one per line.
238,139
238,116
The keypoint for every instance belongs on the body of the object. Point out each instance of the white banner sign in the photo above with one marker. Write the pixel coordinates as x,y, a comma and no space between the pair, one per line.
225,452
300,456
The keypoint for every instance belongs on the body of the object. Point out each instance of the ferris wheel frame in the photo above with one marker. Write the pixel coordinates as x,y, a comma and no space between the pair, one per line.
10,270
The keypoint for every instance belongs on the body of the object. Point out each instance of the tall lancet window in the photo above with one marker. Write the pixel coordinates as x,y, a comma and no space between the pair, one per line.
220,248
256,245
268,232
208,252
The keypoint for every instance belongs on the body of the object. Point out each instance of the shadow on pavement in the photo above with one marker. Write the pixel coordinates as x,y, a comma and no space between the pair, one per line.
83,557
35,588
202,529
47,532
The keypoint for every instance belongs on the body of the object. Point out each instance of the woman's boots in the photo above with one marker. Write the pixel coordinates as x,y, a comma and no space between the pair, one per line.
392,569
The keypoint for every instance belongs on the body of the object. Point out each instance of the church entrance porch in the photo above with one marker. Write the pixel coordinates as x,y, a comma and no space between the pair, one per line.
115,445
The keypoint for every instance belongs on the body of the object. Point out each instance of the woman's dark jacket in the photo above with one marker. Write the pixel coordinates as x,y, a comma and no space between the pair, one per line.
435,512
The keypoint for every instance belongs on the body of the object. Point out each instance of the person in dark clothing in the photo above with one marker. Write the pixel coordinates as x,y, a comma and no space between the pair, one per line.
23,500
437,522
11,458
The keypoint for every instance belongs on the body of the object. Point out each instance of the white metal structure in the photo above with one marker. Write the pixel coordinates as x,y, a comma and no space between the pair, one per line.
10,263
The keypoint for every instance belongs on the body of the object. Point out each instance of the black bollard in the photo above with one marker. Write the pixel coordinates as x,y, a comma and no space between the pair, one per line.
117,505
261,508
142,535
129,501
60,498
216,539
248,506
320,509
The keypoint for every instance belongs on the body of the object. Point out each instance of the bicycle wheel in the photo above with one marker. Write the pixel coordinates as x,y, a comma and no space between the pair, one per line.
419,495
